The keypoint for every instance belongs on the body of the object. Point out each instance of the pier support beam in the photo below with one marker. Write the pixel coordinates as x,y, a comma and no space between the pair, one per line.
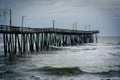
96,38
19,40
5,44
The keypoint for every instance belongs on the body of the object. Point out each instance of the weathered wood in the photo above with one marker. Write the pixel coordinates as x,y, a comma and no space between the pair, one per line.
20,40
21,30
96,38
5,46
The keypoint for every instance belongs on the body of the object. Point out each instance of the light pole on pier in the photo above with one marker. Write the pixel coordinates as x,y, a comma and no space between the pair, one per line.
89,27
5,11
10,16
23,20
85,27
75,25
53,24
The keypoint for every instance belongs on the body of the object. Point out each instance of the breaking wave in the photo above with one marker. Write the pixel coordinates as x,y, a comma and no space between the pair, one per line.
3,68
70,71
59,71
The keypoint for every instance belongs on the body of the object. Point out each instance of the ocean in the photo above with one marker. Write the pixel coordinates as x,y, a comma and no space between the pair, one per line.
90,61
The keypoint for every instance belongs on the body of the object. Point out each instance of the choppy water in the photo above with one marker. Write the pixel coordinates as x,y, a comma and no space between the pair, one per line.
93,61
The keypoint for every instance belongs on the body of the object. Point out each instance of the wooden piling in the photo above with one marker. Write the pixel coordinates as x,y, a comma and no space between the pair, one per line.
35,39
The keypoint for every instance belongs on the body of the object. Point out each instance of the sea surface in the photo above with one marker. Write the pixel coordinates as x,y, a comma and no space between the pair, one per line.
91,61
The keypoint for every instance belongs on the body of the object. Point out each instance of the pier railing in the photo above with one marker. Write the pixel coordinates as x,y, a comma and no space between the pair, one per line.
17,29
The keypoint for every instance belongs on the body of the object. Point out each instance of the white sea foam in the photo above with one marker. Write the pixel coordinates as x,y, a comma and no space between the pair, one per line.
89,58
3,68
84,77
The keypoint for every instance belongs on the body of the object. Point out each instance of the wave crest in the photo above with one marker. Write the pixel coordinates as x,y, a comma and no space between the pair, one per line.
59,71
69,71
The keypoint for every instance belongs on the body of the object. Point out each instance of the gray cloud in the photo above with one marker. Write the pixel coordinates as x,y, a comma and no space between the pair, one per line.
105,14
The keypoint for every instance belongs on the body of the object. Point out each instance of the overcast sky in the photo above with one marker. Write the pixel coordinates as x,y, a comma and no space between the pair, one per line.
103,15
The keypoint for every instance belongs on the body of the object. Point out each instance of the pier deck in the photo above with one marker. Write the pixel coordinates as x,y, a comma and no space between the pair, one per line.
23,39
21,30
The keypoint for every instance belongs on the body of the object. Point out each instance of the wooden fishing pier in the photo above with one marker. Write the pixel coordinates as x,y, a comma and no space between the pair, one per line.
19,40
